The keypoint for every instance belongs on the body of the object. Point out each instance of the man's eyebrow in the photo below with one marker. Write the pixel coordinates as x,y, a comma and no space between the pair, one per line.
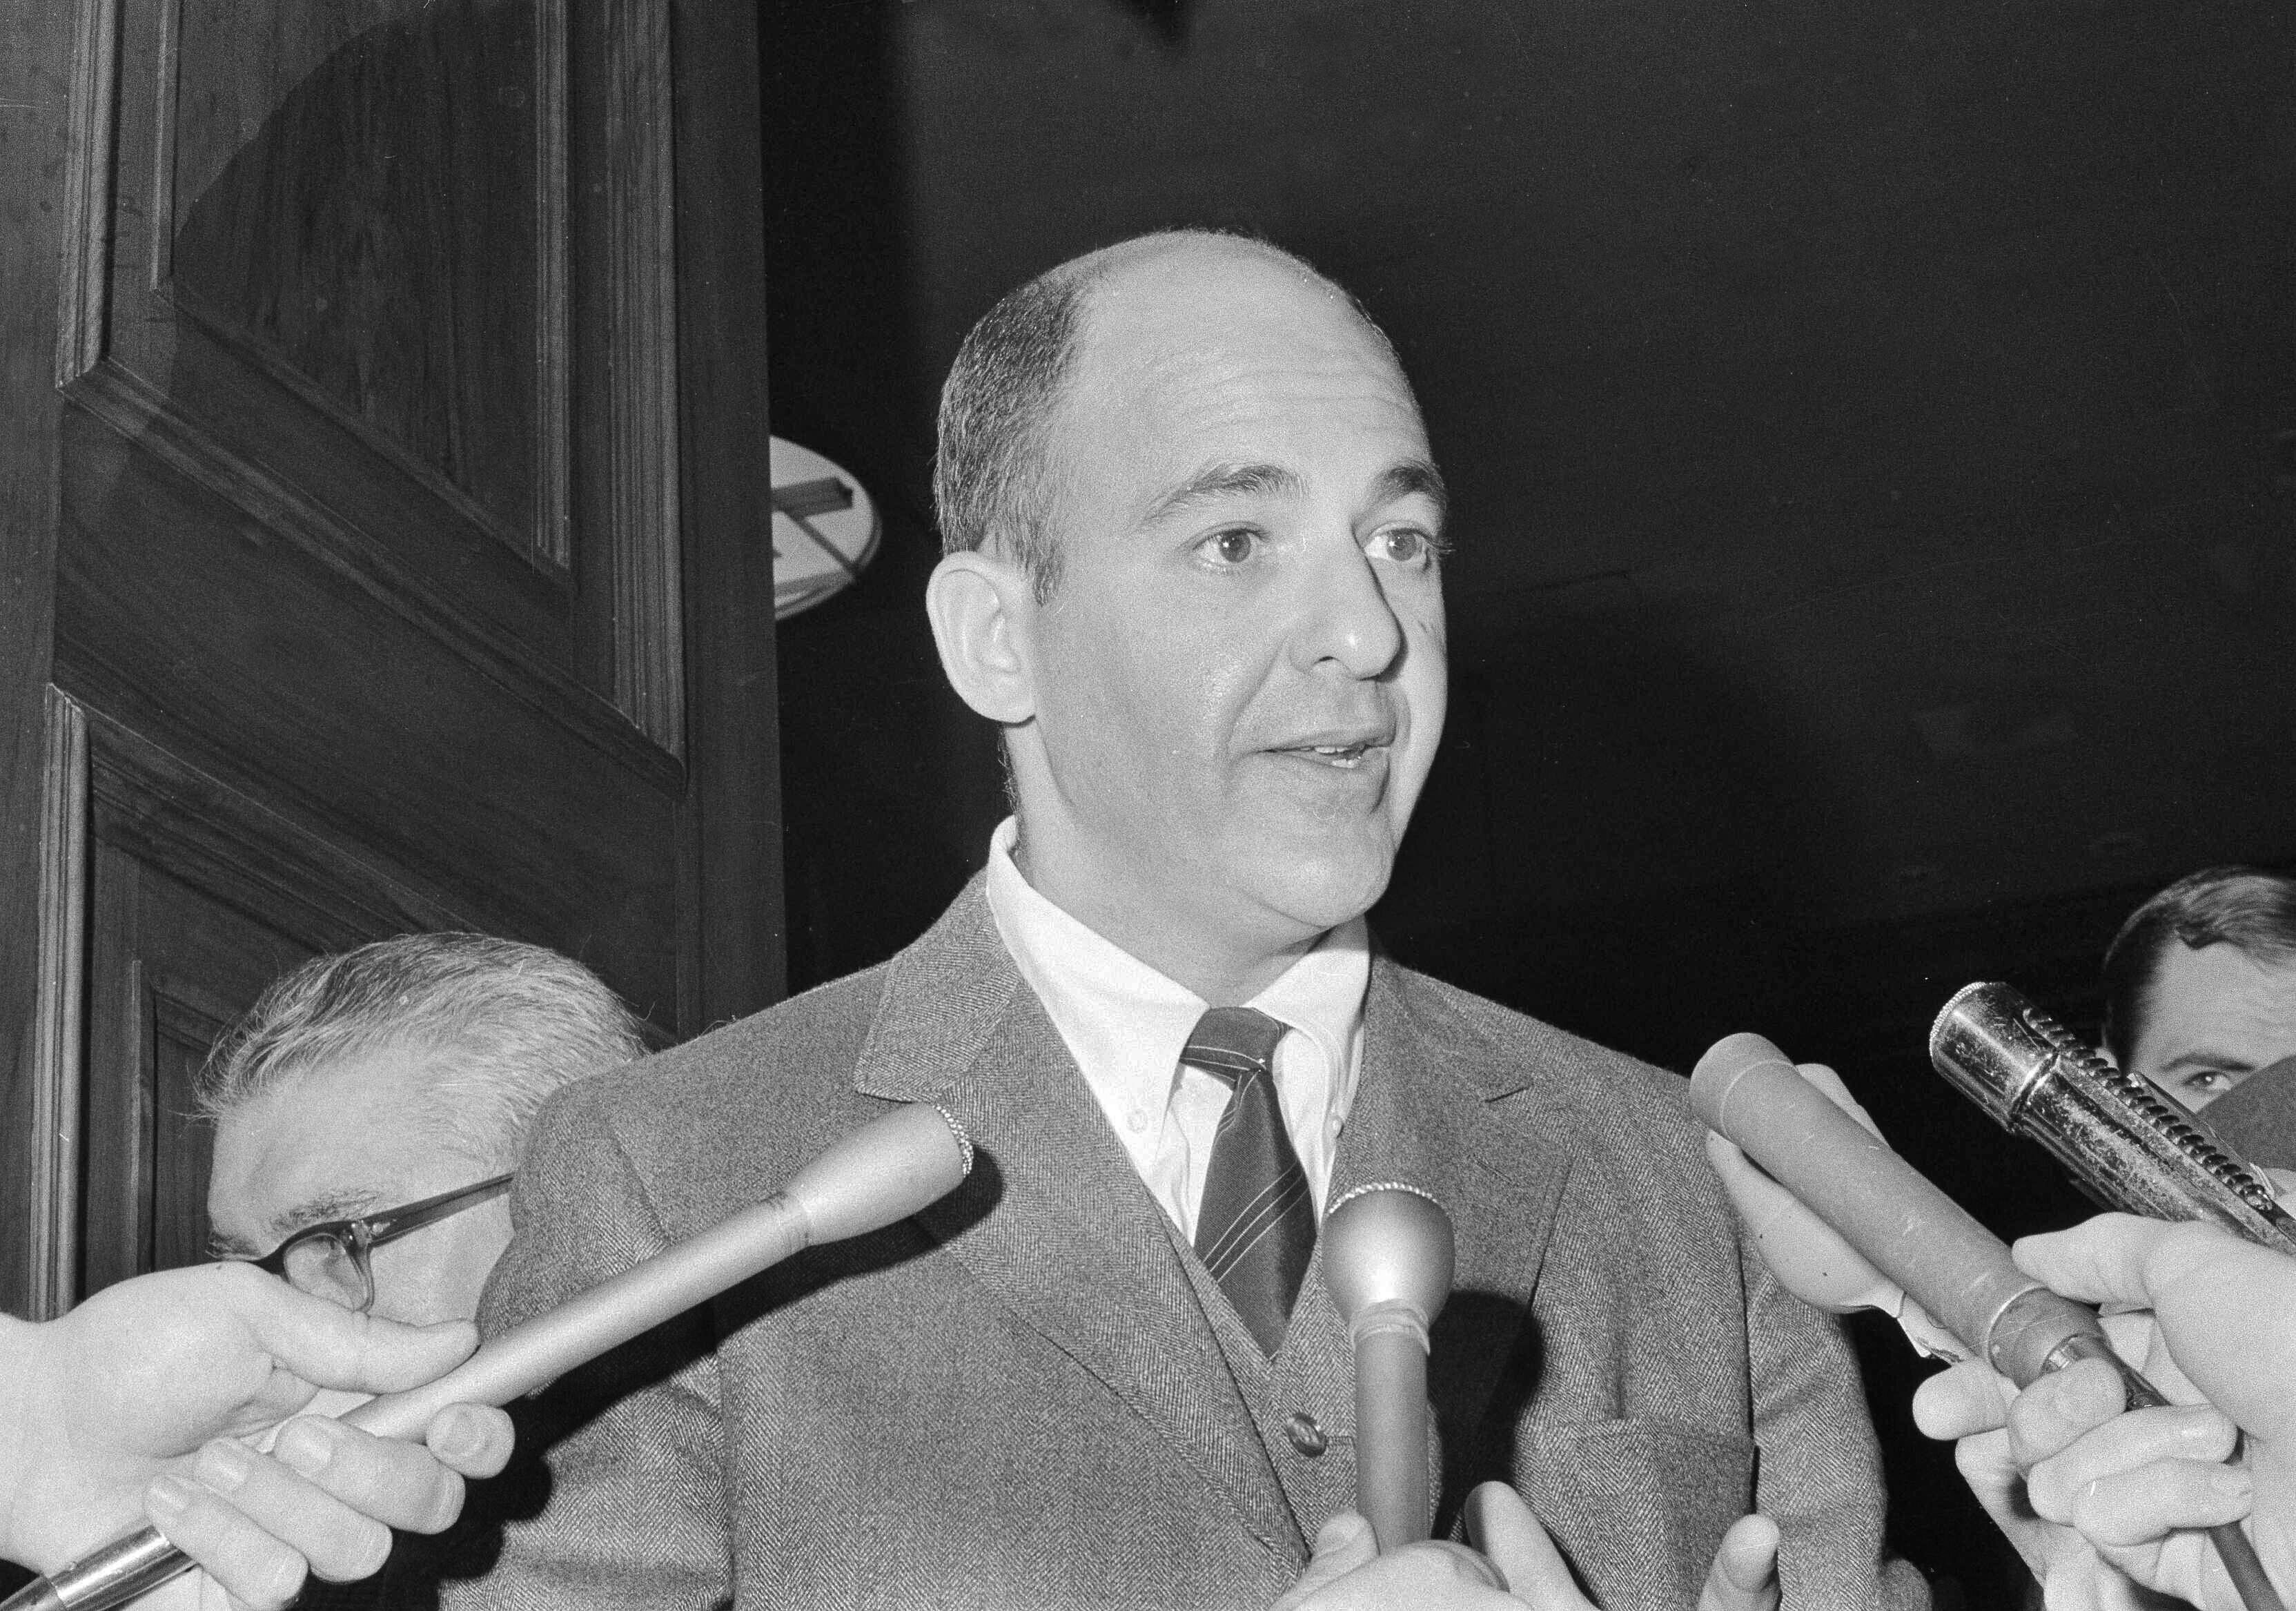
2204,1059
1416,478
1223,481
319,1209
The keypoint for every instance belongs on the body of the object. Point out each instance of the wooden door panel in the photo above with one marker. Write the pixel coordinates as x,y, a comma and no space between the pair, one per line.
190,621
171,968
355,243
342,295
395,457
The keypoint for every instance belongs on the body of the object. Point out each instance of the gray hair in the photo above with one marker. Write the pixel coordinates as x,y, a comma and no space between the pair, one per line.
992,486
499,1025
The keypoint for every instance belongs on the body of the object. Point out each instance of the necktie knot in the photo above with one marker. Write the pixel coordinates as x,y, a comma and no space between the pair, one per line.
1233,1041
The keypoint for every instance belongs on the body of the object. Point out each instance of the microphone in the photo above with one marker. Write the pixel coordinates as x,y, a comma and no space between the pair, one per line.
1748,1090
1388,1256
877,1175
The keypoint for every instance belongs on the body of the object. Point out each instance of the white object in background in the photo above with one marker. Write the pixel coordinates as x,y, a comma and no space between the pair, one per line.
825,528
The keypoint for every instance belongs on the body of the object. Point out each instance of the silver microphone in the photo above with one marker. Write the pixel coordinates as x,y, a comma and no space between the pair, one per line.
1388,1256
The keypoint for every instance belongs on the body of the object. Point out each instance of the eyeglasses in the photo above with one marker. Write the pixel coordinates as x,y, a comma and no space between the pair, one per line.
334,1261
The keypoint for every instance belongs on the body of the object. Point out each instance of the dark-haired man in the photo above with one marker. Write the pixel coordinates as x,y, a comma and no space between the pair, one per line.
2201,982
1193,575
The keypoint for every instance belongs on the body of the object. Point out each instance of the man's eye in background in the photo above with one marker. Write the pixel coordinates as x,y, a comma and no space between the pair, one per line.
1405,545
2207,1081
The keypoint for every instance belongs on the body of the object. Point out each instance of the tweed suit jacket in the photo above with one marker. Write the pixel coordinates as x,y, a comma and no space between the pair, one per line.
1020,1398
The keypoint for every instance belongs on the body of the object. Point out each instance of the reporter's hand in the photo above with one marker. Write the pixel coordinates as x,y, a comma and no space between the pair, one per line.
1347,1572
1973,1407
146,1383
2135,1485
1518,1566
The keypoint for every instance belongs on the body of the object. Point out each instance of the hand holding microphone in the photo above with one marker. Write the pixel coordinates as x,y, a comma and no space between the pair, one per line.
1389,1254
1918,1239
880,1173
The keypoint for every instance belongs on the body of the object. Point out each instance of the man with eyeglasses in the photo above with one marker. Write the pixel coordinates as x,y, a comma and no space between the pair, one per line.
369,1111
370,1108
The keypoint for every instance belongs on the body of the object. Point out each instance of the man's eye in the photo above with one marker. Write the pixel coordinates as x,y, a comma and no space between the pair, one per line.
2207,1080
1232,546
1404,545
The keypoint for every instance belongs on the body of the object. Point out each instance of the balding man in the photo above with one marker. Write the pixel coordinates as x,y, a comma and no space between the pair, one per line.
1195,576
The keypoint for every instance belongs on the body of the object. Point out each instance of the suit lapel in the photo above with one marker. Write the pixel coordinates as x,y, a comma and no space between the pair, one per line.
1055,1222
1442,1107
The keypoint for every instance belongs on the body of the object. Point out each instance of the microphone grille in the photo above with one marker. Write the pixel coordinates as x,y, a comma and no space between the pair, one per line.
964,1137
1370,1187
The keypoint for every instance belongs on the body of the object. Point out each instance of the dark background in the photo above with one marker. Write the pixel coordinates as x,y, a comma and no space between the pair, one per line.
1873,432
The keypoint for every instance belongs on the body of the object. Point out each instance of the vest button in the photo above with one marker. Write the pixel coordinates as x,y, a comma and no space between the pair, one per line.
1306,1436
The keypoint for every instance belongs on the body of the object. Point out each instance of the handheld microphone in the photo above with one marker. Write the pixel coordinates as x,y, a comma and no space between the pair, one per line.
2127,1146
1749,1091
1388,1256
879,1174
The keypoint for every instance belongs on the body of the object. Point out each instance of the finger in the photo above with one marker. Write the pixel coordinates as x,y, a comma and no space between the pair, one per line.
1992,1475
1744,1577
1528,1565
2113,1258
2131,1443
1344,1543
340,1543
399,1485
330,1346
2062,1406
1968,1398
2144,1505
1756,1197
253,1567
476,1440
1465,1565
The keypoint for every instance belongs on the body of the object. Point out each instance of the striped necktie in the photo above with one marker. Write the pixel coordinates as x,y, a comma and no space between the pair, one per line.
1257,1228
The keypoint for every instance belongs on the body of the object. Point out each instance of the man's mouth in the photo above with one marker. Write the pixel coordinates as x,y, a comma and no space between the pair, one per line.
1346,757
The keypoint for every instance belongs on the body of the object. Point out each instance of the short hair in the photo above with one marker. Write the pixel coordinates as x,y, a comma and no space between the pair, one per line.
499,1024
2246,908
990,477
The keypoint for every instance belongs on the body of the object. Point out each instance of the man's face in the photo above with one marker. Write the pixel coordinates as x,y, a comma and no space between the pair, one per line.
1239,682
2214,1017
347,1140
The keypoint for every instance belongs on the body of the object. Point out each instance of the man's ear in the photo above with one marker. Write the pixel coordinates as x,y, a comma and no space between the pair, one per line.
981,608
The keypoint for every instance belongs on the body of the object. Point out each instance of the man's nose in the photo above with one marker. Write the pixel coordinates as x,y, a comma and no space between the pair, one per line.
1345,616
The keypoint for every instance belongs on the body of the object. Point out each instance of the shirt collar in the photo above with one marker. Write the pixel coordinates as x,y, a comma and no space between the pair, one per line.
1093,989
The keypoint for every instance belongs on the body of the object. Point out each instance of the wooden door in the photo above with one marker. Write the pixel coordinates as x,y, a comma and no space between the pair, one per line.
387,539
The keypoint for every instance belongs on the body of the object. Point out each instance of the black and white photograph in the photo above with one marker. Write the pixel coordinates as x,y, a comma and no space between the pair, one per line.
1271,805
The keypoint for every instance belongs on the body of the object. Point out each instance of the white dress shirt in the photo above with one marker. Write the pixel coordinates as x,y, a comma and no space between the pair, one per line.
1125,1024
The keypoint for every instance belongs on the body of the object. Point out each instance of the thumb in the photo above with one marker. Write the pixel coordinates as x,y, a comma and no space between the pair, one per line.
1744,1577
327,1346
1345,1543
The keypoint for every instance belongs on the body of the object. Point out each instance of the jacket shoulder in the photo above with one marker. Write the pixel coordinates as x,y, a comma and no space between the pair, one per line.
725,1116
1640,1107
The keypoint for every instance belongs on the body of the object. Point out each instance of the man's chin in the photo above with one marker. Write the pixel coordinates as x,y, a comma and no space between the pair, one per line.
1318,892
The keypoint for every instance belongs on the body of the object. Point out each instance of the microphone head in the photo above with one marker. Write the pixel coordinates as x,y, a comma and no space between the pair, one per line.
1726,1063
888,1169
1388,1243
